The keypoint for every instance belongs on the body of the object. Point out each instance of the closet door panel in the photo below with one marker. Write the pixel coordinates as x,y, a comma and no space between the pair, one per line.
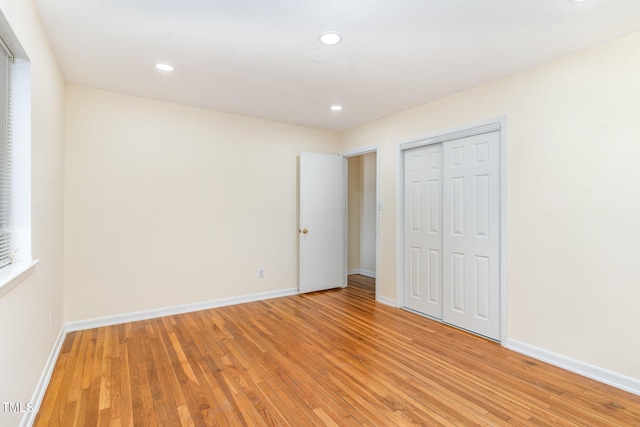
471,233
423,229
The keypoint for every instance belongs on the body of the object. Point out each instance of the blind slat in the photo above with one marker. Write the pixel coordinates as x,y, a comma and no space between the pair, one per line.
5,157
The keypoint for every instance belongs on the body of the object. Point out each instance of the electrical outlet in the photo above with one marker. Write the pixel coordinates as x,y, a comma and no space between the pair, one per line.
261,273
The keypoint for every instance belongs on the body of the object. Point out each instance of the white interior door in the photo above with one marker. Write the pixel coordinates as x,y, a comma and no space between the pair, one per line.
423,229
471,233
322,222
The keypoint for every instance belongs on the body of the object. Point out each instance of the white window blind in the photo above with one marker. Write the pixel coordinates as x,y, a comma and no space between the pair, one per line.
6,60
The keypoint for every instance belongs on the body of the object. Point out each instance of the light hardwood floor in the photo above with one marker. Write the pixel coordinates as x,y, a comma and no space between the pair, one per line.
327,358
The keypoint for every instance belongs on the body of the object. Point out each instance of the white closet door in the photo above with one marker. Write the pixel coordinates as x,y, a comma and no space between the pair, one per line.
471,233
423,229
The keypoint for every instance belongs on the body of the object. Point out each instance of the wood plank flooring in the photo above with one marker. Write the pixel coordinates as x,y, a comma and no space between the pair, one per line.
327,358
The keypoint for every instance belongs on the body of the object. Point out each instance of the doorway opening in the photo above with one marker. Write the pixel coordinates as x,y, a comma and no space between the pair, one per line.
362,220
323,225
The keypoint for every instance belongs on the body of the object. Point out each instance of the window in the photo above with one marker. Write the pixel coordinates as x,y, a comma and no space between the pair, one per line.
6,247
15,161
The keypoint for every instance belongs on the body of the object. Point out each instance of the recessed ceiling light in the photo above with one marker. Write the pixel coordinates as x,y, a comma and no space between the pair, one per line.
164,67
330,38
336,107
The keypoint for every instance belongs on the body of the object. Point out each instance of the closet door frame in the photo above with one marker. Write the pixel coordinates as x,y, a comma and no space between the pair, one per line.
490,125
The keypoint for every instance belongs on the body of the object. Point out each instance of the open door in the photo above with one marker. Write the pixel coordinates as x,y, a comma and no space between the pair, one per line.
322,222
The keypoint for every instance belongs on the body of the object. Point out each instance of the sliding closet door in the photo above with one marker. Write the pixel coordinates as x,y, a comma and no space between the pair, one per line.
423,229
471,233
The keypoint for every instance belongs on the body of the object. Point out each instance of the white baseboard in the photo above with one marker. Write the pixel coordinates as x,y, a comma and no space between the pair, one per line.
362,273
178,309
614,379
386,301
29,417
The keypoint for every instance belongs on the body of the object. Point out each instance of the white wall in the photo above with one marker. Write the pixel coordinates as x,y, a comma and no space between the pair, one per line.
168,204
354,200
26,340
573,186
368,214
361,210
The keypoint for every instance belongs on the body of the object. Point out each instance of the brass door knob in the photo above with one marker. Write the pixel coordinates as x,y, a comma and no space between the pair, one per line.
304,231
